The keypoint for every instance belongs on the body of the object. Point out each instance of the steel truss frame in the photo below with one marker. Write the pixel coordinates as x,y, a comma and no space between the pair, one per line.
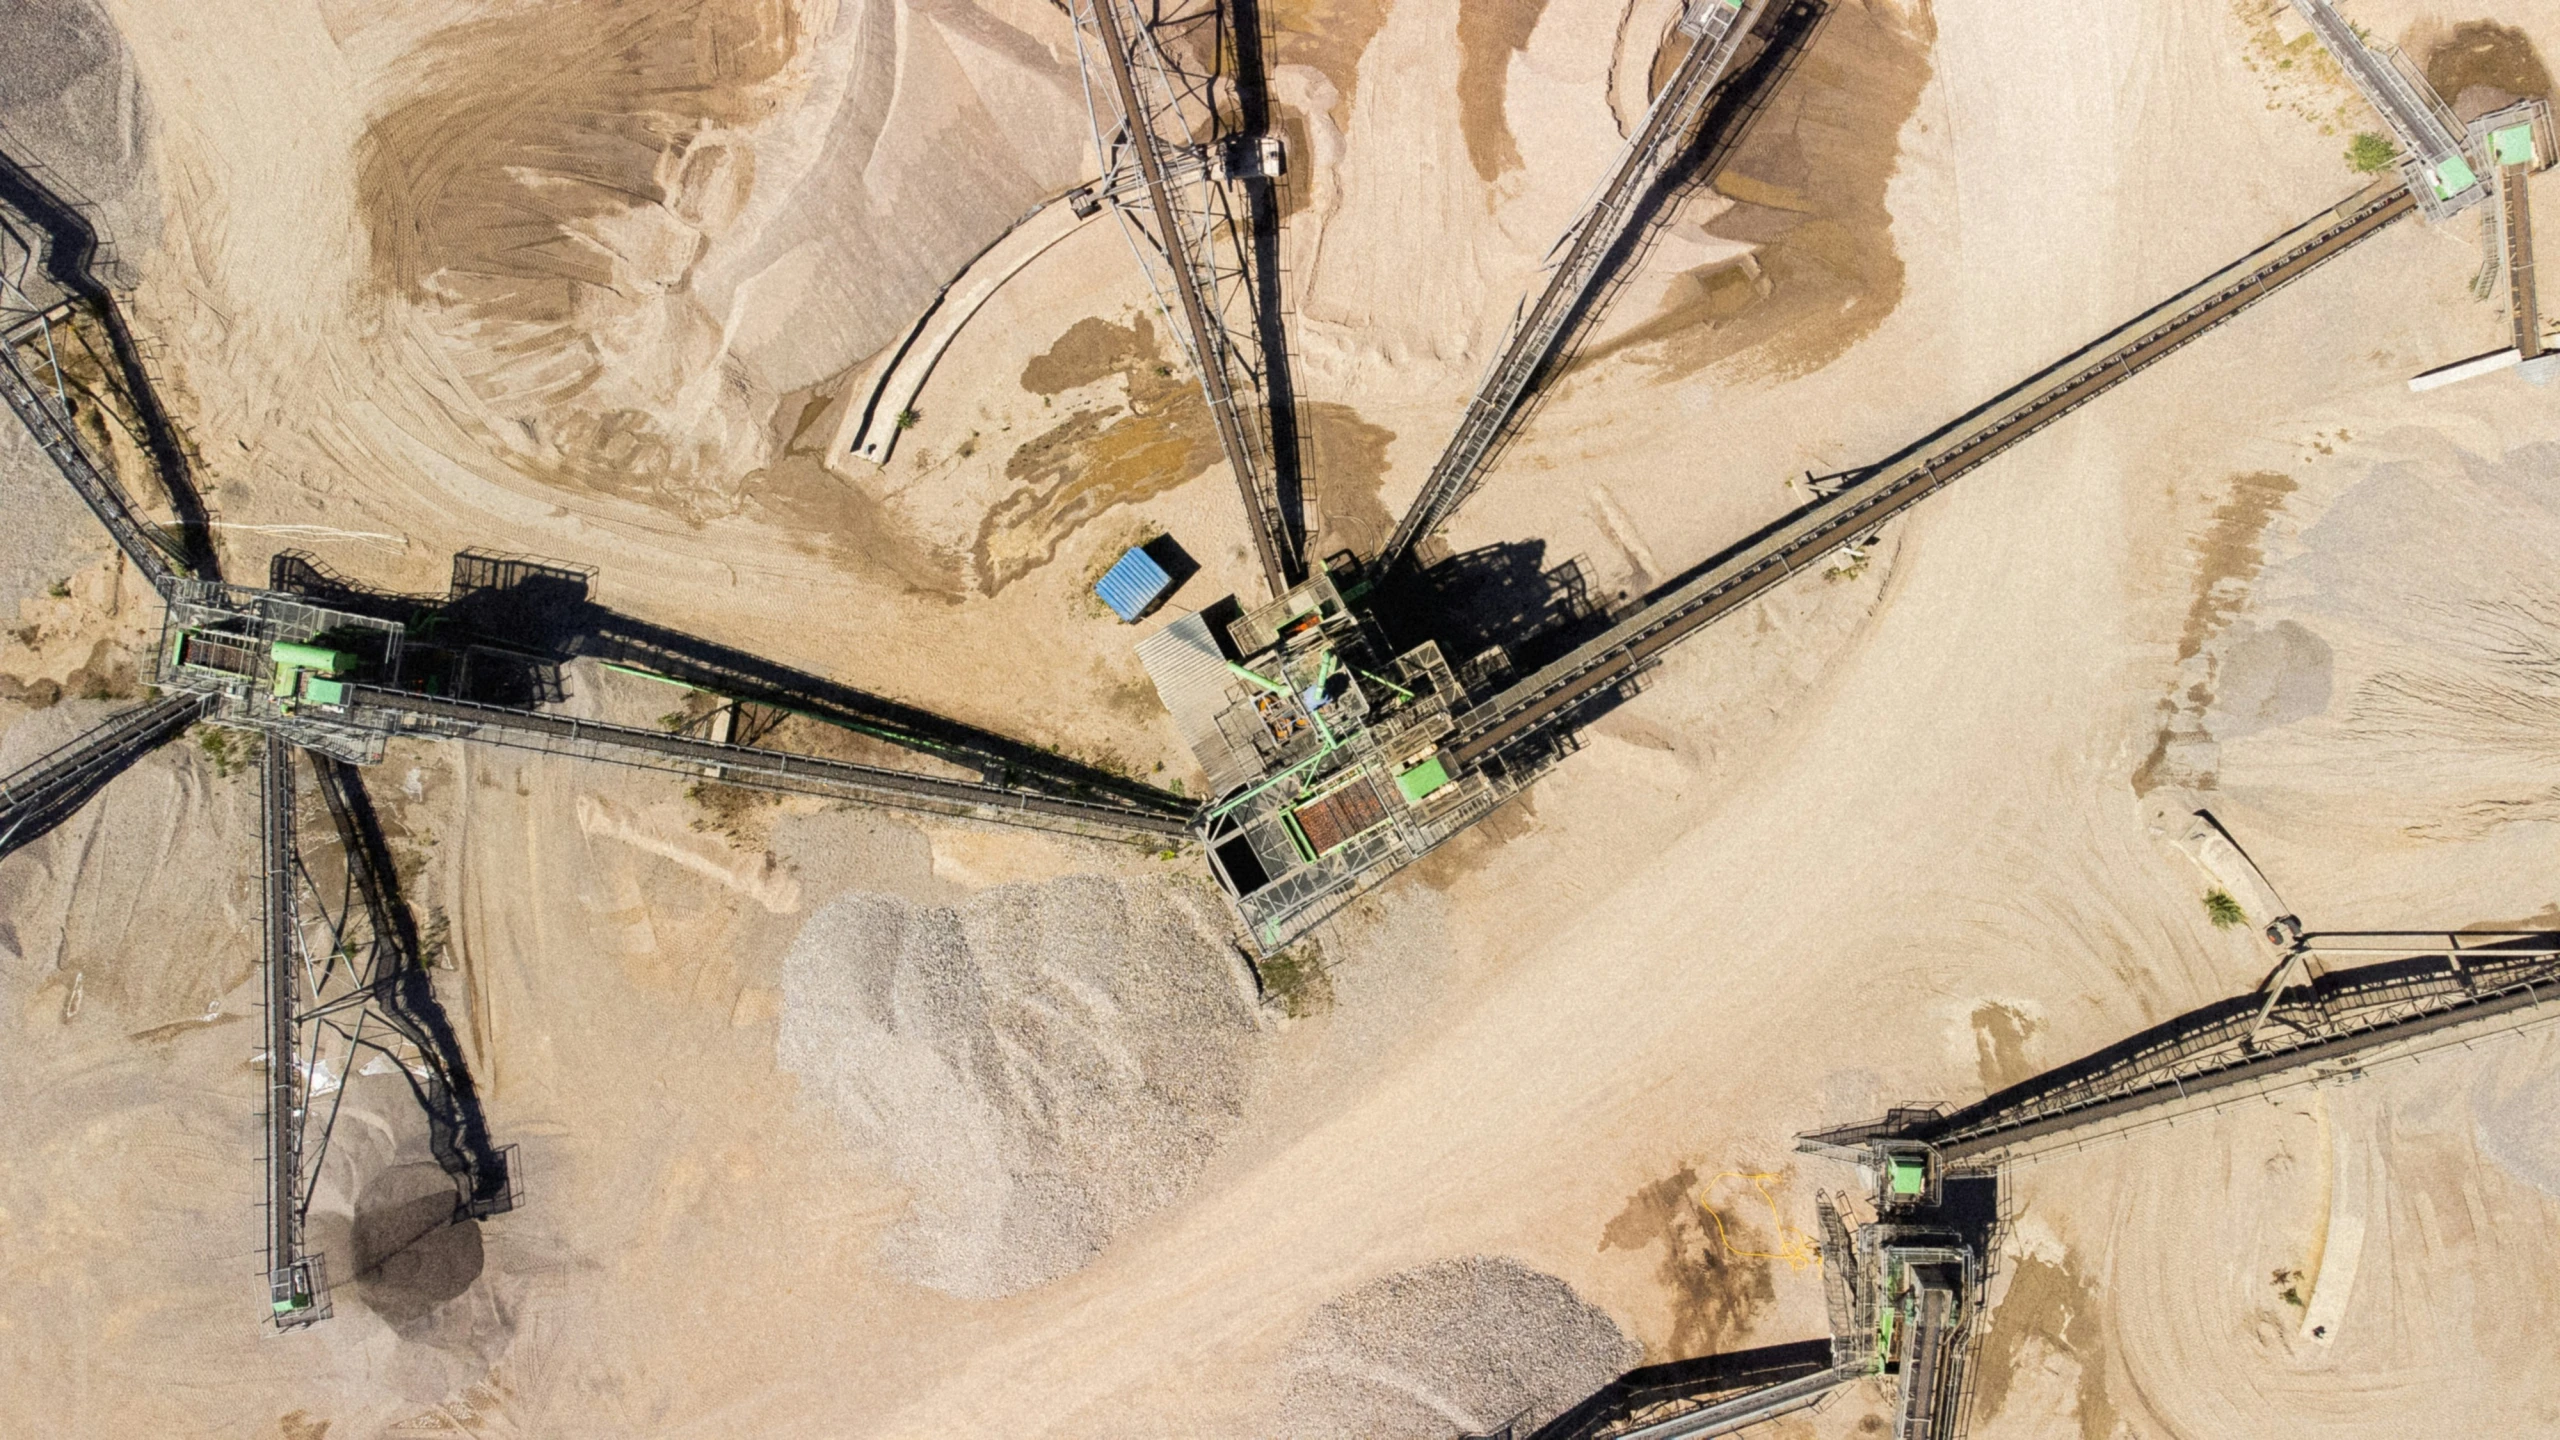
345,986
1163,125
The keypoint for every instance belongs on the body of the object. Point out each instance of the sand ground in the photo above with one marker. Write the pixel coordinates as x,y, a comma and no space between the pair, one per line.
1899,835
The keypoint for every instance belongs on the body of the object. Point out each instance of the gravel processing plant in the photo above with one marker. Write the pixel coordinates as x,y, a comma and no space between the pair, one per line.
1093,718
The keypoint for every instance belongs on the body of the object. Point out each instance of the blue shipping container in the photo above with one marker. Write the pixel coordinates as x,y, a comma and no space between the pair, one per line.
1133,585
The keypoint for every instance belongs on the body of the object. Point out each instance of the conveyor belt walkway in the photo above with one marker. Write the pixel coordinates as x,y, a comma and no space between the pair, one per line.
1726,584
149,551
297,1295
2434,988
2407,104
1717,28
60,240
2515,219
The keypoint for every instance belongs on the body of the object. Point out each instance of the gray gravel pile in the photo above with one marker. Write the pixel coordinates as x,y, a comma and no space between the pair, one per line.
1456,1347
2518,1121
1041,1067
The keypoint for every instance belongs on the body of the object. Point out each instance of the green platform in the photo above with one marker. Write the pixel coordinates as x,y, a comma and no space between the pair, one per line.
2512,146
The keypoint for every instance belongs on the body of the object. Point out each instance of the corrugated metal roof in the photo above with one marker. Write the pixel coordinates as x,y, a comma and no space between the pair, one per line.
1192,679
1133,584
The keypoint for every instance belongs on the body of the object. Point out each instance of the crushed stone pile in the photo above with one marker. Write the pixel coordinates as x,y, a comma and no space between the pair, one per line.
1455,1347
2518,1121
1041,1067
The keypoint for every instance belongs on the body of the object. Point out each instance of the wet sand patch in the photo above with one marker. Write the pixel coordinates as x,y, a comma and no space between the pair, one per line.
1100,455
2000,1035
2486,54
1490,32
2229,556
1346,459
1329,36
1715,1297
2050,1311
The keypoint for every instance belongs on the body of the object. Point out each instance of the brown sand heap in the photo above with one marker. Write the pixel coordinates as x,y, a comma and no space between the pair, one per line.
1455,1347
1041,1066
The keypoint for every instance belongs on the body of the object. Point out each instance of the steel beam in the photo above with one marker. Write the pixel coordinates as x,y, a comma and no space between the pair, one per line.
1798,542
758,768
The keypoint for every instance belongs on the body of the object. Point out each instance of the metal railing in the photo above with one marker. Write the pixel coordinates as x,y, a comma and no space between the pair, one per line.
2218,1054
1188,239
152,552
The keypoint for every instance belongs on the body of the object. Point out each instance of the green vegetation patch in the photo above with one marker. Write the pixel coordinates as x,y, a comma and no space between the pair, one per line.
1297,980
2371,153
2223,911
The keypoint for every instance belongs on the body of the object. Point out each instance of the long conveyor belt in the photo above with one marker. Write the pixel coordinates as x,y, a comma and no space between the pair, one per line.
1725,585
286,1082
2515,219
2440,987
1588,241
752,766
47,790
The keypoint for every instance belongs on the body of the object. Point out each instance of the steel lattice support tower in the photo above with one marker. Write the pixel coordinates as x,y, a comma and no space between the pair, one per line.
1163,125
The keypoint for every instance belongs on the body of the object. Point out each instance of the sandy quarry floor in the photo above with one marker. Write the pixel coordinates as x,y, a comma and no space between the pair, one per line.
835,1123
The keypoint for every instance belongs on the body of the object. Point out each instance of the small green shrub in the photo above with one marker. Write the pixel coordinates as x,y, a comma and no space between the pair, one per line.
2223,911
907,419
2370,153
2288,1284
1297,980
218,748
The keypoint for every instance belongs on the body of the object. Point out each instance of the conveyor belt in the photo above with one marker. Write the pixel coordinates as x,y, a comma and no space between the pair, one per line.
70,249
285,1080
1238,433
1668,125
1743,1411
49,789
2414,111
2208,1055
141,544
1727,584
2515,218
1926,1369
736,675
752,766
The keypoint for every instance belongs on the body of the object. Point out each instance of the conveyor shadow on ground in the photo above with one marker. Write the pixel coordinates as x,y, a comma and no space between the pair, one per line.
405,997
1263,206
1501,596
70,252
